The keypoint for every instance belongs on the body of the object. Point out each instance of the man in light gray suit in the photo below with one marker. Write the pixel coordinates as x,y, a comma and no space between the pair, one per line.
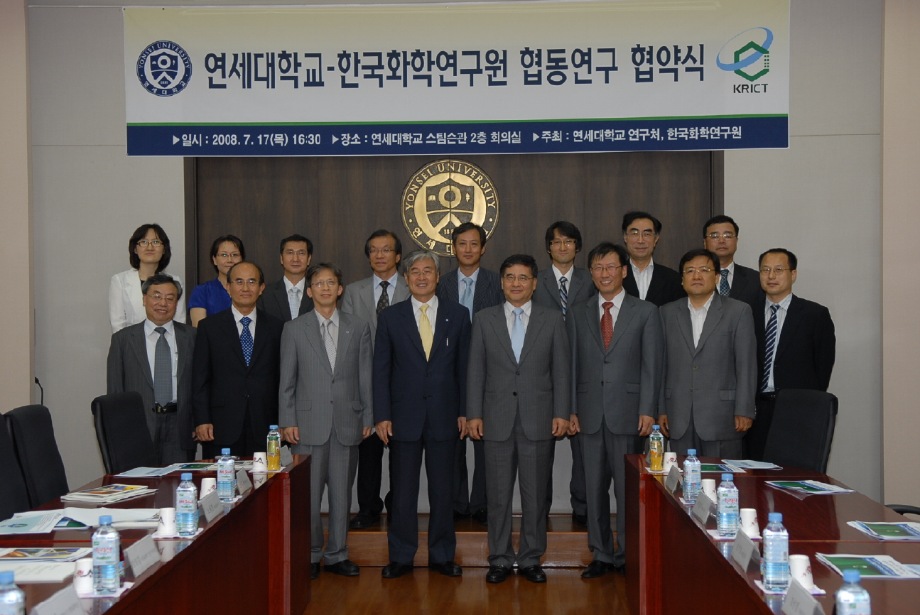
617,356
710,374
518,401
154,358
325,407
365,299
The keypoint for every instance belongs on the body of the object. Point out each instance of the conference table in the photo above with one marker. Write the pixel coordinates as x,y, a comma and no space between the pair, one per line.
674,565
252,558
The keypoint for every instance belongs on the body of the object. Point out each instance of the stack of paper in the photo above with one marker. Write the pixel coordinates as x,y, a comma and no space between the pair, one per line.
44,554
906,531
108,494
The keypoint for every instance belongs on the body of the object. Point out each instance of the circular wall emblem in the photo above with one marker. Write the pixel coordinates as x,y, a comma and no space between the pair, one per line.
441,196
164,68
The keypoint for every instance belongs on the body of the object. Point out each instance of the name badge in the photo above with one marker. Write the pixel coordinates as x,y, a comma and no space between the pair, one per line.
64,602
242,482
743,550
142,555
702,508
673,479
799,601
287,458
211,506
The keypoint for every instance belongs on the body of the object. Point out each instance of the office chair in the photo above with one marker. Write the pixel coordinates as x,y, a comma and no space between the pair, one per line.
14,497
38,454
802,429
121,429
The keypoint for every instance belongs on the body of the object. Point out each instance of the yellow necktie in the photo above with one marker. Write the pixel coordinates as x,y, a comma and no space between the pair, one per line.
424,330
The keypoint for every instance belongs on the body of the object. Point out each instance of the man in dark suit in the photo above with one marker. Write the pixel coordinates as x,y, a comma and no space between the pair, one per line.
475,288
235,372
288,297
154,358
326,408
420,361
617,357
720,236
560,287
710,364
796,344
518,402
647,279
365,299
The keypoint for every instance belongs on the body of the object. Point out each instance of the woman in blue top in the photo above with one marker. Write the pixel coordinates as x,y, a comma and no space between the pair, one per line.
212,297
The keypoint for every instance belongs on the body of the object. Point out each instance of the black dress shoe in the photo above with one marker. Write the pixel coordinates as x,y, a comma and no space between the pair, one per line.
459,516
534,574
581,520
596,569
497,574
448,569
394,570
346,568
619,568
314,571
481,516
362,521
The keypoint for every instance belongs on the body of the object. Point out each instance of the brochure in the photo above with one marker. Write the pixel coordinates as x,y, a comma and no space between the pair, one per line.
869,566
808,487
899,531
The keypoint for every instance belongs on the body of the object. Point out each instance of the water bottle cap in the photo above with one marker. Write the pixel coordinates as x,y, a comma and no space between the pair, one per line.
186,476
851,575
273,427
6,577
225,451
691,451
727,476
775,517
656,427
105,520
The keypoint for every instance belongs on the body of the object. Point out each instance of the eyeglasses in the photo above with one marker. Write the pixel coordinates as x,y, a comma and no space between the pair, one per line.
156,243
568,243
240,282
158,297
725,235
510,278
693,270
383,251
226,255
325,284
605,268
776,270
634,233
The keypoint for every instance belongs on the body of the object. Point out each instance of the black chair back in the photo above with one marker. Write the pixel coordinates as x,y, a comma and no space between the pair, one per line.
38,454
802,429
14,497
121,429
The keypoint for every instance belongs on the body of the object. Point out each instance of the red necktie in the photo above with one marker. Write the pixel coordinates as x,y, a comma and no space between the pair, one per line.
607,324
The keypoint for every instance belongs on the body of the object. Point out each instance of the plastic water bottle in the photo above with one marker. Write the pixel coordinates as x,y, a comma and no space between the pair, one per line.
187,506
273,449
106,557
226,476
852,598
775,553
727,494
656,450
693,479
12,599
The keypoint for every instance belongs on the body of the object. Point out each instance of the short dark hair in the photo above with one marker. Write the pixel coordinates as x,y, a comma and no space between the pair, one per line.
689,256
632,216
295,238
603,249
566,229
793,261
519,259
720,219
215,245
468,226
261,275
139,234
314,269
161,278
382,232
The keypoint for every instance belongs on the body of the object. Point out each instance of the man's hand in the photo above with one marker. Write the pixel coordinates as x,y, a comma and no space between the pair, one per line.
385,431
663,423
560,427
574,427
291,434
645,425
743,423
366,432
205,432
474,428
461,427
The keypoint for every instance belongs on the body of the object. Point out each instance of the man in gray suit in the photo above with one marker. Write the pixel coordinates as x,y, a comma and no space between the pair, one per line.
720,236
518,401
365,299
617,356
288,297
325,407
154,358
710,374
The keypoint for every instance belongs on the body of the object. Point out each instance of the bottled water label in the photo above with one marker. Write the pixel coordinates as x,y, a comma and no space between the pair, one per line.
106,578
775,560
728,511
225,480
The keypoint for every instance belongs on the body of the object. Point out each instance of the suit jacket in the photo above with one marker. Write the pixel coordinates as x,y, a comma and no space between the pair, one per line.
487,292
806,349
665,286
126,306
579,286
275,301
421,397
313,396
224,387
358,299
621,382
715,381
538,388
746,286
129,370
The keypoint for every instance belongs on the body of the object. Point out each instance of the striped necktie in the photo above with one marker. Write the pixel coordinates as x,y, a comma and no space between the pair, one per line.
563,294
769,348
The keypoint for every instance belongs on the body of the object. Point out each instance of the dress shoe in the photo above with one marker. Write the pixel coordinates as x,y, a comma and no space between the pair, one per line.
314,571
394,570
481,516
596,569
534,574
497,574
346,568
362,521
581,520
448,569
460,516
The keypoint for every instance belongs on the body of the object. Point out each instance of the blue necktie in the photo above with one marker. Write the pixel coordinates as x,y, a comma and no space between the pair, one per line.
517,333
769,348
724,289
467,297
246,339
563,294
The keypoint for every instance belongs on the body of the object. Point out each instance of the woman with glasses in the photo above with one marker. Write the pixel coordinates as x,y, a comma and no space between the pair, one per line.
212,297
149,253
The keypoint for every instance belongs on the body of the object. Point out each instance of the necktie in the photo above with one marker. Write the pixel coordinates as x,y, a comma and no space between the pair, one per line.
384,301
769,348
467,297
607,324
563,294
246,339
425,331
294,302
723,285
517,333
329,339
162,370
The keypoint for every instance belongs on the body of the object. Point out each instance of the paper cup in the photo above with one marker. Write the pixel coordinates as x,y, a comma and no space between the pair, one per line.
83,576
259,462
167,525
670,460
749,522
800,570
709,488
208,485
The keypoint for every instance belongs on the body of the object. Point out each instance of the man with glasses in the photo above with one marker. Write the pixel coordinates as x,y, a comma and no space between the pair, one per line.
796,344
720,236
154,358
518,402
647,279
710,364
288,298
235,371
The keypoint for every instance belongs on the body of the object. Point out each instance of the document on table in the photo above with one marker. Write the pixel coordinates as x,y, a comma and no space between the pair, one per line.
44,554
121,517
808,487
750,464
869,566
36,523
38,572
907,531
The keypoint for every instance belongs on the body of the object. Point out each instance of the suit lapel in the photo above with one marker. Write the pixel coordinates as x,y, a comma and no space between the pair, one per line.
440,327
407,315
713,316
535,323
314,337
499,330
589,313
184,344
344,341
548,282
233,337
790,323
139,348
684,323
624,318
